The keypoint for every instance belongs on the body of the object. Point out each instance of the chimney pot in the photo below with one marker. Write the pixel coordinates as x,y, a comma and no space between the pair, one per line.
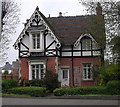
60,14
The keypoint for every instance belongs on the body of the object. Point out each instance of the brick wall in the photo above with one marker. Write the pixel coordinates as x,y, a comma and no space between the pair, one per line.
13,77
63,62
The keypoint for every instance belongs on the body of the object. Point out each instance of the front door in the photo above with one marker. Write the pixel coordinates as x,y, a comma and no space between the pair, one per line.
65,77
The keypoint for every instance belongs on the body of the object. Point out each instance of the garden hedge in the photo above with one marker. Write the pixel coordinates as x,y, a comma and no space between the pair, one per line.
79,90
32,91
7,84
113,87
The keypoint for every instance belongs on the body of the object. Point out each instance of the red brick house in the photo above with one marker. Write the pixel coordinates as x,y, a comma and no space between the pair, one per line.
60,45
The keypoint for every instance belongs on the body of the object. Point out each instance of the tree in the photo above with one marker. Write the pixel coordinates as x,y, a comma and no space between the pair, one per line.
116,48
9,21
110,14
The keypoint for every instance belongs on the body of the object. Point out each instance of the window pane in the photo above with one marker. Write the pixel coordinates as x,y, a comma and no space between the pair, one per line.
42,73
37,73
86,44
85,74
38,42
89,74
33,66
65,73
37,66
33,74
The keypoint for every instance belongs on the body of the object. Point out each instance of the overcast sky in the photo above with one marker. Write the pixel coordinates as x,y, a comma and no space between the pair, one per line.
52,7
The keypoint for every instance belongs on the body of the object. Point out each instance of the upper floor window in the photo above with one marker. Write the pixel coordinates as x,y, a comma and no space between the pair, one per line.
36,41
86,43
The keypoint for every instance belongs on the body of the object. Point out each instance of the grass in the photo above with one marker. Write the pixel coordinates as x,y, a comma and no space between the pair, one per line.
96,95
16,95
23,95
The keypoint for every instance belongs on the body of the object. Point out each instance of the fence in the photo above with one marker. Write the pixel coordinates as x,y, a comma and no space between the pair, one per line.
10,76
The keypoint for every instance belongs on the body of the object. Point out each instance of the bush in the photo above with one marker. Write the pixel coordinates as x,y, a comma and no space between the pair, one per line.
32,91
6,72
113,87
50,81
79,90
7,84
34,82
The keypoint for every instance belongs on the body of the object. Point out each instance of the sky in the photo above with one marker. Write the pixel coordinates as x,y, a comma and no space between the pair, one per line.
52,7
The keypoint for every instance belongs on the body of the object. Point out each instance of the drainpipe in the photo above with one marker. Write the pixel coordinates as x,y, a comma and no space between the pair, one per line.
72,68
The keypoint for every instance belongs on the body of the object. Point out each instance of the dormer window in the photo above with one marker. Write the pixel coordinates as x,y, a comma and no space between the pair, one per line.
36,42
86,43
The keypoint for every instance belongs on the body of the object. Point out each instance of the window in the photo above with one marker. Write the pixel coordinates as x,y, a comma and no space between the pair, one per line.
36,41
86,43
38,71
87,74
65,73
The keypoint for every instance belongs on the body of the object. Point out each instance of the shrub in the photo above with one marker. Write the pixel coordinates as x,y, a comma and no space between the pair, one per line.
50,81
32,91
59,91
6,72
34,82
7,84
79,90
113,87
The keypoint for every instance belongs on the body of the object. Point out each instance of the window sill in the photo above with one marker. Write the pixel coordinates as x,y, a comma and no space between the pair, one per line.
88,80
36,50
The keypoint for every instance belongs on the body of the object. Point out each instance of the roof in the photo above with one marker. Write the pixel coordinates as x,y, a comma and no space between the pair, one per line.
69,29
15,64
7,67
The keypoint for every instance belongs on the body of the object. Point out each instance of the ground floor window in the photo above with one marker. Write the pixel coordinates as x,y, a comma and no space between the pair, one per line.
37,71
87,73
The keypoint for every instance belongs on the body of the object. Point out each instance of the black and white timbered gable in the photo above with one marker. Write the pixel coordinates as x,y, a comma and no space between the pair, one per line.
56,36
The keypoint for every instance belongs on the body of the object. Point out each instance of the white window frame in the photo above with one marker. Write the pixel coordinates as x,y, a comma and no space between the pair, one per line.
31,42
36,63
85,43
87,71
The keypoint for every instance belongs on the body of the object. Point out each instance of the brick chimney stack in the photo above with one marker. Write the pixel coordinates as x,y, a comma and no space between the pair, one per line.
7,63
99,11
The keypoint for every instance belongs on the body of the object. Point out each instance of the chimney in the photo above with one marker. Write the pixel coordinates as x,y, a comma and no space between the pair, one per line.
60,14
99,11
7,63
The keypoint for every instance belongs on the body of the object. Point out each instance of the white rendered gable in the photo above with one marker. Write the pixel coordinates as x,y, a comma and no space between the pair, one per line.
41,22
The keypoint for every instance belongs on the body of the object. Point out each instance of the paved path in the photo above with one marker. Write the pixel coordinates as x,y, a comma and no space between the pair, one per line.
44,101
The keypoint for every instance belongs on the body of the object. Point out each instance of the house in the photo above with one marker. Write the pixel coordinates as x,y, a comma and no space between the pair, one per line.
15,68
7,67
60,45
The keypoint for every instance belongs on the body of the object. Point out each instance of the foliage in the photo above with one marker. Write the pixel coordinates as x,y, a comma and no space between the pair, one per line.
109,10
6,72
7,84
80,90
32,91
116,45
34,82
50,81
9,19
113,87
107,73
